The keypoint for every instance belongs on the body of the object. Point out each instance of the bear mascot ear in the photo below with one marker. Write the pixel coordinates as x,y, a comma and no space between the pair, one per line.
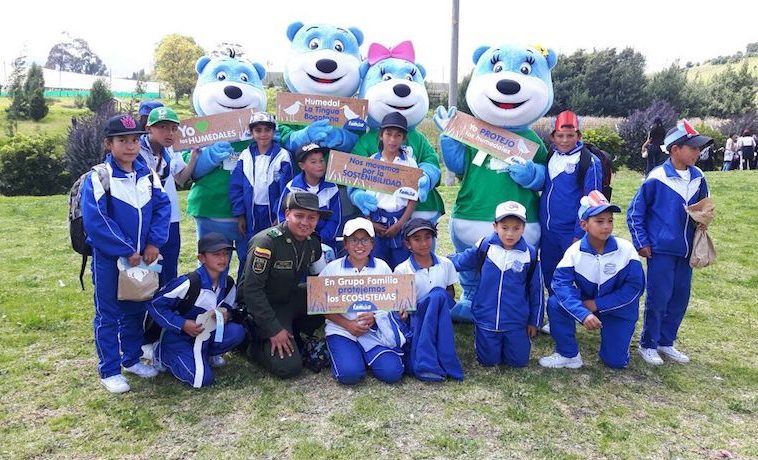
293,28
201,63
422,70
358,34
478,53
551,57
260,69
363,69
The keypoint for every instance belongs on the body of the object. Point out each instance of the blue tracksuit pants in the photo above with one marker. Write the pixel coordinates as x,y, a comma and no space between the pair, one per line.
170,253
669,279
176,352
349,361
615,335
506,347
552,247
117,324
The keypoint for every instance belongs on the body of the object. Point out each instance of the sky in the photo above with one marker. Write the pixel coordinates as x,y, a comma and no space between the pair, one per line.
126,39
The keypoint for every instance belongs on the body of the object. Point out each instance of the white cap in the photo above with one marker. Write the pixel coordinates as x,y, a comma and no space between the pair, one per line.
510,208
359,223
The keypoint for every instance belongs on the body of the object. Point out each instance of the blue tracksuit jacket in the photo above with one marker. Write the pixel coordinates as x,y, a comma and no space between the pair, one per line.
505,300
656,215
328,199
278,174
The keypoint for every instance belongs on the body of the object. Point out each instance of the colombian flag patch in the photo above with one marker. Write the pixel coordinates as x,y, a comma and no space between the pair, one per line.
262,252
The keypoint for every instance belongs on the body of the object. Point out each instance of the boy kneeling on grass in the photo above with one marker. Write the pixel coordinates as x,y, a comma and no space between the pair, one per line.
185,348
597,283
508,307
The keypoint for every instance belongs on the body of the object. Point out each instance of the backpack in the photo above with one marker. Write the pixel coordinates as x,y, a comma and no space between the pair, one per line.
484,246
585,159
153,330
75,220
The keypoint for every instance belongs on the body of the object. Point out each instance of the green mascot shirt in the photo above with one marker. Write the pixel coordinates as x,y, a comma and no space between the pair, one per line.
209,195
483,188
423,152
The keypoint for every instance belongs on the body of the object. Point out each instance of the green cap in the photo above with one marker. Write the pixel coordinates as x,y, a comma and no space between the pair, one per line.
159,114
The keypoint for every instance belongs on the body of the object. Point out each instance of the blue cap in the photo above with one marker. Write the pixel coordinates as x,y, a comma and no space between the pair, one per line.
146,106
593,204
685,134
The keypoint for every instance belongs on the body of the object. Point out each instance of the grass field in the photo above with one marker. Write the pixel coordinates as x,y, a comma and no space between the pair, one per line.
52,405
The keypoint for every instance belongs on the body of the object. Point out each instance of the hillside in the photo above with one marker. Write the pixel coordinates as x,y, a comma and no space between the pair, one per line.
706,72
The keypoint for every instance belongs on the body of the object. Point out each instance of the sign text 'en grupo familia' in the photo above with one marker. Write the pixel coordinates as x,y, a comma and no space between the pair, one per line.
361,293
304,109
375,175
488,138
227,126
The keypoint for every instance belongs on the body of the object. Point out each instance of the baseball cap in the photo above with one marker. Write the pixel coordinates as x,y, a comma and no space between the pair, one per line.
262,117
213,242
307,201
121,125
510,208
305,150
685,134
359,223
145,107
593,204
566,119
416,225
159,114
395,120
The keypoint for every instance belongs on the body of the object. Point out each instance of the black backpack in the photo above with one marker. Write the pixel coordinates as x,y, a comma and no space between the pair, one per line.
153,330
75,220
585,160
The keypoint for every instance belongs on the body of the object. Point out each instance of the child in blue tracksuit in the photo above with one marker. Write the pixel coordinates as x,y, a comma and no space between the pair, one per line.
127,217
311,161
258,179
597,283
391,212
509,304
560,197
662,232
184,348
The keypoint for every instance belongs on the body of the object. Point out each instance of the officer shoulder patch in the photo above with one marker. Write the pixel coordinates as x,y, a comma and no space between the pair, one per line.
259,265
274,232
262,252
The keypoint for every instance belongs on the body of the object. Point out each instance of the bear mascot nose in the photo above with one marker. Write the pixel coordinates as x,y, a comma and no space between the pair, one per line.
508,86
401,90
232,92
326,65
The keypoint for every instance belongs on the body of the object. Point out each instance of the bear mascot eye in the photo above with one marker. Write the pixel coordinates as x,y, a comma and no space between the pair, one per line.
498,67
221,76
244,77
387,76
314,44
525,68
338,46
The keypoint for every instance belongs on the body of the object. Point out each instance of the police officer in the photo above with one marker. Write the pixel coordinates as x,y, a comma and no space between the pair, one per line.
273,292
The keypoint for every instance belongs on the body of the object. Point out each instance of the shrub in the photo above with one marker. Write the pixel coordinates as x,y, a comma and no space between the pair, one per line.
99,95
37,105
32,165
79,101
84,146
607,139
634,130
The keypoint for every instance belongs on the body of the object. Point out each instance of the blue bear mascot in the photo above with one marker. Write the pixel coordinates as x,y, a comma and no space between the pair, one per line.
226,81
325,61
394,82
510,87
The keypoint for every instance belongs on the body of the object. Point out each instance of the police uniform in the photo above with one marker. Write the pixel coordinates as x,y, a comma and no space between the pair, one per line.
276,266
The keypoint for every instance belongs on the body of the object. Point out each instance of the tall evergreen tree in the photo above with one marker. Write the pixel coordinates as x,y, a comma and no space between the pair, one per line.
34,90
99,95
19,107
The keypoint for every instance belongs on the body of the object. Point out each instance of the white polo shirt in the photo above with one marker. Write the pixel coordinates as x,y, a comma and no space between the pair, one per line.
343,267
441,274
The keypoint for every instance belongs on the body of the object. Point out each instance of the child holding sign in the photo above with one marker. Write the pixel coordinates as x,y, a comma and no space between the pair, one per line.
262,172
351,337
391,212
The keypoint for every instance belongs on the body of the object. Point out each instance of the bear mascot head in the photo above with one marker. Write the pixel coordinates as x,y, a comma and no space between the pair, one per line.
226,81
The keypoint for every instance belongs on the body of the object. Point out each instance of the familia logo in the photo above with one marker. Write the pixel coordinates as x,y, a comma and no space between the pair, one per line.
361,306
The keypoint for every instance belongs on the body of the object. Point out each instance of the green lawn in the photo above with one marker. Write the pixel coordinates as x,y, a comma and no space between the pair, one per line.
52,405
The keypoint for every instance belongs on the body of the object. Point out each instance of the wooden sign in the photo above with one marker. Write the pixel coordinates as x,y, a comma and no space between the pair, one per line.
304,109
375,175
361,293
227,126
495,141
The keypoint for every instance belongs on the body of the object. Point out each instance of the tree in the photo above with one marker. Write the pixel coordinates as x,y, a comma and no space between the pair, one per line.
19,107
732,92
175,58
99,95
75,56
668,85
34,91
751,49
568,83
615,83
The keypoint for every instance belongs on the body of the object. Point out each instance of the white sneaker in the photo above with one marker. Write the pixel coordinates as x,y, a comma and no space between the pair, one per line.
142,370
217,361
546,328
650,355
674,354
558,361
115,384
148,352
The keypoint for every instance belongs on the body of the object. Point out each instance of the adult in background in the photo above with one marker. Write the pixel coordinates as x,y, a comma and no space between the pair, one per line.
654,142
746,146
730,152
272,288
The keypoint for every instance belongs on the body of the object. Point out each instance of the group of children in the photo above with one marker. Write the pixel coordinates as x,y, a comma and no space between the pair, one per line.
592,277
